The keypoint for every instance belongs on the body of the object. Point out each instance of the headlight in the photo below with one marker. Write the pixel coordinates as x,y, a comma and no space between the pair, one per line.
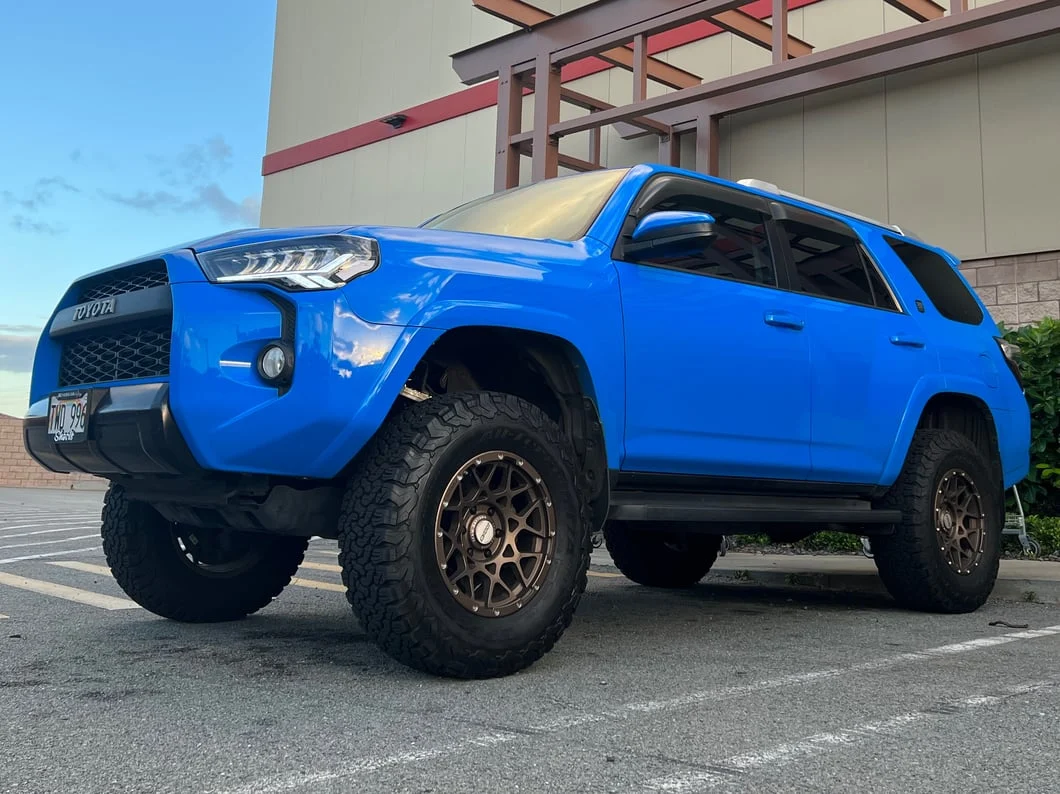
298,263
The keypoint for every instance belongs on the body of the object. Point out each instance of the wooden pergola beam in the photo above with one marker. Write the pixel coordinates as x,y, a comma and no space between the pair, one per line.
920,10
754,30
528,16
565,35
994,25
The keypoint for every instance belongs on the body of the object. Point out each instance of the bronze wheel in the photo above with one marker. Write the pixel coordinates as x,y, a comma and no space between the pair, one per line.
465,535
959,521
945,553
495,534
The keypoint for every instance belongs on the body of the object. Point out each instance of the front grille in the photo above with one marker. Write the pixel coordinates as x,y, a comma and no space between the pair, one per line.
118,355
108,285
124,351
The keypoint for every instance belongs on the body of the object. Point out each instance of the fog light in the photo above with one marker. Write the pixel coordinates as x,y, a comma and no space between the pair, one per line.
276,363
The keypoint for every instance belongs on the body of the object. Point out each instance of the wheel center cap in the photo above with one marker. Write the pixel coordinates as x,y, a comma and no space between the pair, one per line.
947,520
482,530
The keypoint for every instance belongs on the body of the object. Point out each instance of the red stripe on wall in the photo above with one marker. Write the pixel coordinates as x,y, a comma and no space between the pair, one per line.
480,97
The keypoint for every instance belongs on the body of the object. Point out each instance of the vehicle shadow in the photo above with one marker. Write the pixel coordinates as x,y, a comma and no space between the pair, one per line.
274,645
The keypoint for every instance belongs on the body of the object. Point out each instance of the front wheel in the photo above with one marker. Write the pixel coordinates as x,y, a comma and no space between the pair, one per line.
944,556
190,574
464,537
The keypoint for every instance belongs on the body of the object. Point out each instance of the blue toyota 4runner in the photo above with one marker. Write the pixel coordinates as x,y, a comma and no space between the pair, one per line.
645,354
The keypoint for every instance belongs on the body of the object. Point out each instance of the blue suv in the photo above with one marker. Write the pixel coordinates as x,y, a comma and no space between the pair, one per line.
645,356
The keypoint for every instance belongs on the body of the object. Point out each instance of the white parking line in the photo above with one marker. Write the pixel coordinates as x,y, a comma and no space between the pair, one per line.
49,554
48,522
321,566
87,567
74,528
46,542
310,779
728,771
68,593
318,585
104,571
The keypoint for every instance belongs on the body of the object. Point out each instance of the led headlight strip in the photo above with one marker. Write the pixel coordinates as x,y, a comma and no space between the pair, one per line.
301,263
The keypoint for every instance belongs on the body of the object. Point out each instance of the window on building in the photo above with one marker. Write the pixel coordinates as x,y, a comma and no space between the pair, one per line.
738,251
832,263
943,286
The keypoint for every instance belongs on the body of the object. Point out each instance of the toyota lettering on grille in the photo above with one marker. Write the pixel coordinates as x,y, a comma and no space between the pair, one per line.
94,309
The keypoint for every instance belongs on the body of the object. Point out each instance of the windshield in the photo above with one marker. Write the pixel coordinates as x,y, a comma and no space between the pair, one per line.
561,208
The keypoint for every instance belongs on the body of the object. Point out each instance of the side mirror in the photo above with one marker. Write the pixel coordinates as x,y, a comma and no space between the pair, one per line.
671,225
671,233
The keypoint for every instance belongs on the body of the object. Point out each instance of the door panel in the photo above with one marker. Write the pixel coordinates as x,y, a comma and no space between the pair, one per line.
712,388
860,385
866,354
717,358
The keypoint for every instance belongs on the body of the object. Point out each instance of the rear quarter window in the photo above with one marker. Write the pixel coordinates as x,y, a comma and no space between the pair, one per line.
944,288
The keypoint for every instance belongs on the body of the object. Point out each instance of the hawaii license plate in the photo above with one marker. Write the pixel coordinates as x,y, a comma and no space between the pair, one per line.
68,417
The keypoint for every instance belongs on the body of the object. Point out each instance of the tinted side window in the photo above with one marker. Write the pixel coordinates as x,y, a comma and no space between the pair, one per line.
832,264
937,278
739,250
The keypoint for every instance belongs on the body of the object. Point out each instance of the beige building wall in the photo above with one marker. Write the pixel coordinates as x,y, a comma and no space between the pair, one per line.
965,152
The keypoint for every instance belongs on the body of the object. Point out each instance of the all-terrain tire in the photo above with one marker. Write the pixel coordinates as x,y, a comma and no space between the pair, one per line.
388,528
660,559
913,567
145,560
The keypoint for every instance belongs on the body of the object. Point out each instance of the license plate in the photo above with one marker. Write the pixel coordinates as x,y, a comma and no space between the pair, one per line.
68,417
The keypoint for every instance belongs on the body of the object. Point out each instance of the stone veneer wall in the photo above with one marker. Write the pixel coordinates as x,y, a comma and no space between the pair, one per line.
1017,289
19,470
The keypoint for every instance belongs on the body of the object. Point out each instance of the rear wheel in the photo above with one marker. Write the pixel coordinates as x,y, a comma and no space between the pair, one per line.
464,537
191,574
660,559
945,555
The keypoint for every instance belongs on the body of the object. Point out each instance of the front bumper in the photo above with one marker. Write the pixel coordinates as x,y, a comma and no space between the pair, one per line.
216,413
130,430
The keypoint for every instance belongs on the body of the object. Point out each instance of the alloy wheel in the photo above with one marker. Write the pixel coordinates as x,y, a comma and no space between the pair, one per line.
495,534
959,521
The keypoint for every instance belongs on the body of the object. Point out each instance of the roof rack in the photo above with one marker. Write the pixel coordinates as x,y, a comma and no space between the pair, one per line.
769,187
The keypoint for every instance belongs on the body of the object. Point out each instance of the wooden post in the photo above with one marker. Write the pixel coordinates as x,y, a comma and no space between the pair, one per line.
546,113
780,31
640,67
670,149
509,122
707,139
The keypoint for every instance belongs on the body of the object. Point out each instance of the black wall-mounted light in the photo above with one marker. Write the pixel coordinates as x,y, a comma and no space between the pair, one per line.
396,120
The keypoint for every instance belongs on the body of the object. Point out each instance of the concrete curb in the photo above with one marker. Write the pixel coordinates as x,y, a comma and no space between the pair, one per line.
1039,591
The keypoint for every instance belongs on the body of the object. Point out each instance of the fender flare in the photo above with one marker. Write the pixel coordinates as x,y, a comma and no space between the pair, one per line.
926,389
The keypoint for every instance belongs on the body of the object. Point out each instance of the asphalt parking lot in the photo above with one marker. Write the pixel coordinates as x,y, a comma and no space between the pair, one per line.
726,687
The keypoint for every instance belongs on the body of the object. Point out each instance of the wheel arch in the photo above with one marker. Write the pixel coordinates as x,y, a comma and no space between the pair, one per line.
961,410
545,369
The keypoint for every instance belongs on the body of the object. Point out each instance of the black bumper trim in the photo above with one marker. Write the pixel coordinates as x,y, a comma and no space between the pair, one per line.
130,432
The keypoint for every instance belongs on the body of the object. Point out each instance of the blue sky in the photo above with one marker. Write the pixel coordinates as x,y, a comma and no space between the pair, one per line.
125,127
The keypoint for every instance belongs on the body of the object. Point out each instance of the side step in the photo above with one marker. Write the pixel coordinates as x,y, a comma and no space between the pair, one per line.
743,509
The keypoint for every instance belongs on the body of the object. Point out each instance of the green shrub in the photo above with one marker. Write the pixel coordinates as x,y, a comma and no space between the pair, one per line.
1045,530
1040,360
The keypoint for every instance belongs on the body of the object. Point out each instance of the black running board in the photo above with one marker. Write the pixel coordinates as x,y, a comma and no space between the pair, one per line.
644,506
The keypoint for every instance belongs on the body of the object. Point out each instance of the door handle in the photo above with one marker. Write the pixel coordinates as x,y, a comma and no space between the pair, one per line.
906,341
784,320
